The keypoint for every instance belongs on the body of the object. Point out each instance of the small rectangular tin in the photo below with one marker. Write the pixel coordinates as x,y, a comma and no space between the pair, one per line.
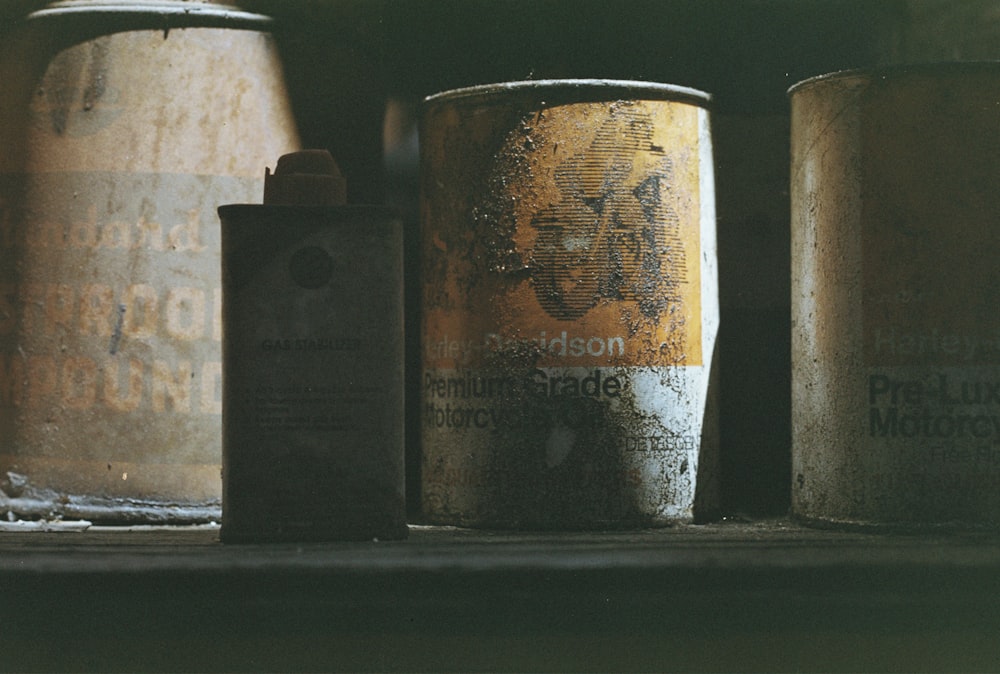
313,367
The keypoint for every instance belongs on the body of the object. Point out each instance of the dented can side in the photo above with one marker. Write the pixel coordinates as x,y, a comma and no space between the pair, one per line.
570,306
896,340
118,149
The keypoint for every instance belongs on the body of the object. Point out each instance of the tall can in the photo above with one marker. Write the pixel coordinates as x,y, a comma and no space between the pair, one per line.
570,306
123,126
313,362
896,335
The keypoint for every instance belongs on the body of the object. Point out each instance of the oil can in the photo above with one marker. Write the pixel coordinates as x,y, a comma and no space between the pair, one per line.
896,336
123,127
312,362
570,305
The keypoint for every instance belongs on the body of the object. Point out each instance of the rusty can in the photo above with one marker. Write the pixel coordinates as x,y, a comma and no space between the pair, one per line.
570,306
313,362
896,336
123,127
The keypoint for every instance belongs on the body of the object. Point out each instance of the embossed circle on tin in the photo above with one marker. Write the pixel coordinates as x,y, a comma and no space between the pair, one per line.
311,267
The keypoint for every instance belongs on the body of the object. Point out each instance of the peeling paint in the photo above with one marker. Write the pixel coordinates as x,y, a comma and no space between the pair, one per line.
570,304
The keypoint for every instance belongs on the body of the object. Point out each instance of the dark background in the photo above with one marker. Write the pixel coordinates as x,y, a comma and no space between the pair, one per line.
756,595
357,71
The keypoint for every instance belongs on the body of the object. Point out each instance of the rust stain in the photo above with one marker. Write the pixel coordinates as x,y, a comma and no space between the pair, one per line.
562,255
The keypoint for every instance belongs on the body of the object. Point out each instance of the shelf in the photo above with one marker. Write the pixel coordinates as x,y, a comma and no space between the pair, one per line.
766,595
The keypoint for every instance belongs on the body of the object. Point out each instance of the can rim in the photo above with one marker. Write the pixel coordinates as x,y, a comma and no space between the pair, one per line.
578,90
896,70
157,13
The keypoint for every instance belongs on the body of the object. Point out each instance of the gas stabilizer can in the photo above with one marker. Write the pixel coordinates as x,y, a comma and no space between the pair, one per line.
312,362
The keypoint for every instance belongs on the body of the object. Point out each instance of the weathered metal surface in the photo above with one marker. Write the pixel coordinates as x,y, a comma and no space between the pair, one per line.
162,14
570,305
896,358
118,145
313,367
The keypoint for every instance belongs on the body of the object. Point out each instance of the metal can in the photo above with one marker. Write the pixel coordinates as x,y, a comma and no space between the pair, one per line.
896,336
313,362
123,127
570,305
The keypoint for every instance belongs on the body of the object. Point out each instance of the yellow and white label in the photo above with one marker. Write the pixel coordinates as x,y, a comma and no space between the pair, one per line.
564,310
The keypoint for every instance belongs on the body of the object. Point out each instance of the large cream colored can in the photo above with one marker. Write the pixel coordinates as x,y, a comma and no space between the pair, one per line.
123,126
896,332
570,305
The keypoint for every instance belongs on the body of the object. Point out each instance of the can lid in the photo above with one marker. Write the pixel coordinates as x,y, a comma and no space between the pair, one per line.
900,70
577,91
154,14
305,178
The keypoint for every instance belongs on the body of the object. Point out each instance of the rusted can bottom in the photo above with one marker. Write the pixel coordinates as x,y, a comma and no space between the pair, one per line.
20,498
900,527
